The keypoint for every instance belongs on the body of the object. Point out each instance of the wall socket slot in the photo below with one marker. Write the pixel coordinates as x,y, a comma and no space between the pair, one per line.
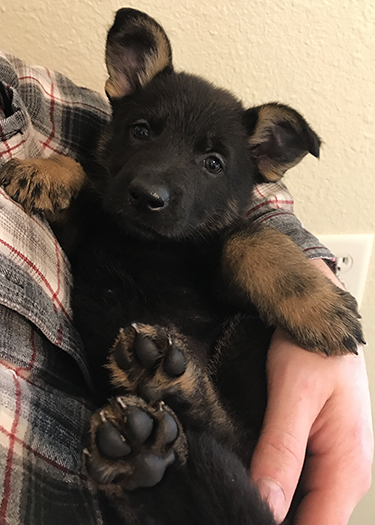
353,254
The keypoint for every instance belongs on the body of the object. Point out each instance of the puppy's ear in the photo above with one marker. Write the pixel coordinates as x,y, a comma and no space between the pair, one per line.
279,138
137,50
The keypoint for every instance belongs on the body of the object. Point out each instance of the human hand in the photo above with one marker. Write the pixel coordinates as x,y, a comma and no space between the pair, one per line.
318,407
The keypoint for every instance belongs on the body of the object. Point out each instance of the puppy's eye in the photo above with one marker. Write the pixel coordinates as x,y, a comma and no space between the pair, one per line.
140,130
213,164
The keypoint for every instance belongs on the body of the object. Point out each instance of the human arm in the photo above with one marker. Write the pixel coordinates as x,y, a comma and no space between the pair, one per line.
318,407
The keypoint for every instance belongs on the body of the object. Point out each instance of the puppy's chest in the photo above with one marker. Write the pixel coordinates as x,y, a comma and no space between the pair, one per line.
156,283
175,282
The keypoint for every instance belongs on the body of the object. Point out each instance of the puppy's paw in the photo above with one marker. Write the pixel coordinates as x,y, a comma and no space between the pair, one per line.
132,444
330,324
43,185
156,364
149,362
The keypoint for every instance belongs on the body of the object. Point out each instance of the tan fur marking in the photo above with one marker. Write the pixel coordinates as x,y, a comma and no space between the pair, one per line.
288,291
187,382
273,172
158,60
117,85
43,184
268,117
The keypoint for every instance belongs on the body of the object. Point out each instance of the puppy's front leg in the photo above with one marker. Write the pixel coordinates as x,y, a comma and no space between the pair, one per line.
264,266
43,185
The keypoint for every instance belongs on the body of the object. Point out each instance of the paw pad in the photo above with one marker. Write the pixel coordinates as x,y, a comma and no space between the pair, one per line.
174,363
148,351
139,425
133,443
111,442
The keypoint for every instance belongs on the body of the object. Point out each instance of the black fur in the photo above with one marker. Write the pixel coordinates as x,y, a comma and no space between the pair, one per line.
143,259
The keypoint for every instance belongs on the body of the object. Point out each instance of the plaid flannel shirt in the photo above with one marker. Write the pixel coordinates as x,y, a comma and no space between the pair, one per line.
44,380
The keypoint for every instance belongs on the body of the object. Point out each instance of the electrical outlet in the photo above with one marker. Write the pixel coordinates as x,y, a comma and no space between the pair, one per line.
353,254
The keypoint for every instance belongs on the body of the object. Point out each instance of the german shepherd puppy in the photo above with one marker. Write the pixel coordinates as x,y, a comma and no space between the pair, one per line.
184,290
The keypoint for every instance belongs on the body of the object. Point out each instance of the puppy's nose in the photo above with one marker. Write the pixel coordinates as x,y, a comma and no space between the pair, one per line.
148,196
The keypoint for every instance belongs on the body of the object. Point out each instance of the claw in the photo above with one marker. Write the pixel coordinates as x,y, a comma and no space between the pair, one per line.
87,452
136,327
120,402
102,416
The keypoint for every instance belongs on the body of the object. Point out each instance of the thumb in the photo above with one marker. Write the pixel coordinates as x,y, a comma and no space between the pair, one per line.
279,455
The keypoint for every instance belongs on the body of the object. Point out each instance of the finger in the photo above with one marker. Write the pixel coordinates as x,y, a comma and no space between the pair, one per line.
337,473
279,456
295,398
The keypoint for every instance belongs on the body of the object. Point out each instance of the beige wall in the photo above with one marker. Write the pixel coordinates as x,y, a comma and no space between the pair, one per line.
318,55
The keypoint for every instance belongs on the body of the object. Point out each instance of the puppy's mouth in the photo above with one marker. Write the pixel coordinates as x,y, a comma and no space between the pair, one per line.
149,226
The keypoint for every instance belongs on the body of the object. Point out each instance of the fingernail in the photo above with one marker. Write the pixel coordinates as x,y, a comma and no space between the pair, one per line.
274,494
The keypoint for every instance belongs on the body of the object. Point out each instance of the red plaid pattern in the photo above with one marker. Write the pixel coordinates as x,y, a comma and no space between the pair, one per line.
32,246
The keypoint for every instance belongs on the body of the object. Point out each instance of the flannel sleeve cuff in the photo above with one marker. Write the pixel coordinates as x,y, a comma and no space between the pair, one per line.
272,204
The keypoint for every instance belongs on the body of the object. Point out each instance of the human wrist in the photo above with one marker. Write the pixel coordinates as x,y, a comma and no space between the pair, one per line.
322,266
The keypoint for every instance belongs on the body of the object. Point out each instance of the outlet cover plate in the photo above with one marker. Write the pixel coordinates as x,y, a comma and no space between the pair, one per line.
353,252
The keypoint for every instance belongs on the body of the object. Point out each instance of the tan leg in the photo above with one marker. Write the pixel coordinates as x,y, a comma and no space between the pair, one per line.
265,267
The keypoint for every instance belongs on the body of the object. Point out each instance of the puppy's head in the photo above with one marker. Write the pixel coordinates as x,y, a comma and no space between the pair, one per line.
182,156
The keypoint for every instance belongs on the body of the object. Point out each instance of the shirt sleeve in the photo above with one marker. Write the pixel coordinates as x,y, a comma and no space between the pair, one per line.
273,205
43,113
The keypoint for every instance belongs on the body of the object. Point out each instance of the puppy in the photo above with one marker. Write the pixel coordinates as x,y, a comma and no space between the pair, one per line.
183,290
